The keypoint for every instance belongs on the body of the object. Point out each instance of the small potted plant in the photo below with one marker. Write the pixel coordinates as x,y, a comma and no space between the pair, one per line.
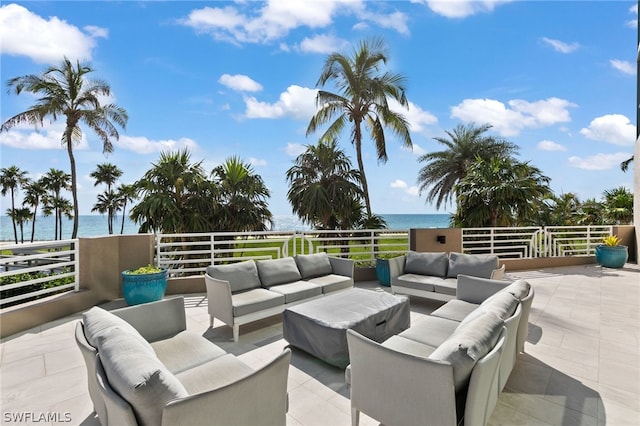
144,284
610,253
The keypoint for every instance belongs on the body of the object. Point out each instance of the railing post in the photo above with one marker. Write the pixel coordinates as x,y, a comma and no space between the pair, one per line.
76,265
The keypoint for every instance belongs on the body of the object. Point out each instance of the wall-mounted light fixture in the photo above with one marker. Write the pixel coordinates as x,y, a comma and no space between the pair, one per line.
442,239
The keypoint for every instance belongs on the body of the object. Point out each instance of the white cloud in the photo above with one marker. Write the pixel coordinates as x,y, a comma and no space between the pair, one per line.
246,23
599,161
561,46
239,82
24,33
611,128
461,8
520,114
551,146
257,161
143,145
417,117
298,102
294,149
400,184
24,136
416,149
633,23
322,43
625,67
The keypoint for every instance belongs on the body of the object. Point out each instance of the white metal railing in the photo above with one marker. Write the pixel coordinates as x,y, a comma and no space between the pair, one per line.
534,241
43,264
192,253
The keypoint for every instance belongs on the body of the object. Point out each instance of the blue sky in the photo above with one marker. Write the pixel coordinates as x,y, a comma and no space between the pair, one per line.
557,78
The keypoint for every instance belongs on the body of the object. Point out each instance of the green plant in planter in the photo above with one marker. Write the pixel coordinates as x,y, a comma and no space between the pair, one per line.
611,241
149,269
610,253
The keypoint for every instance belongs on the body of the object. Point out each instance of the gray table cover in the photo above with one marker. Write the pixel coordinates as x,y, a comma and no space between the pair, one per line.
319,326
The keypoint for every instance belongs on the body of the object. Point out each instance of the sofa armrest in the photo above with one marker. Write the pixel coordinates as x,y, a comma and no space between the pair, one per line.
257,399
399,388
476,289
498,274
396,266
156,320
219,299
341,266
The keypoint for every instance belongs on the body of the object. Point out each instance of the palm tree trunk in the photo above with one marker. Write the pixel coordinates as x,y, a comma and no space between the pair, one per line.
13,217
124,211
363,177
74,187
33,221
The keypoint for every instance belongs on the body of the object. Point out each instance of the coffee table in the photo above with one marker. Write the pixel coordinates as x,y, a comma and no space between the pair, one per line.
319,326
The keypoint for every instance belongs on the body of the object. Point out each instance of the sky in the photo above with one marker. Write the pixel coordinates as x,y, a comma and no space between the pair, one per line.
223,79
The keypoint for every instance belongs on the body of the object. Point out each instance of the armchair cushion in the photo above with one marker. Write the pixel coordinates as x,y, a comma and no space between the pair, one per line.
477,265
98,321
467,345
434,264
313,265
502,304
138,376
278,271
241,275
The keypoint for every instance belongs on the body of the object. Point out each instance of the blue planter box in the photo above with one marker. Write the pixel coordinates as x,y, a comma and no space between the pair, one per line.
611,256
382,272
144,288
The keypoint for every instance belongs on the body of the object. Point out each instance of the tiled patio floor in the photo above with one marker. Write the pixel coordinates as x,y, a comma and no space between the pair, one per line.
582,365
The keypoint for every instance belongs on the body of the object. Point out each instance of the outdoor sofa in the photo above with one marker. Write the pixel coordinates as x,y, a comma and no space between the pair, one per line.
449,368
243,292
434,275
144,368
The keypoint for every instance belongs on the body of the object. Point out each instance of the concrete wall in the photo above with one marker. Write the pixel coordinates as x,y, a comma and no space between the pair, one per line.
426,240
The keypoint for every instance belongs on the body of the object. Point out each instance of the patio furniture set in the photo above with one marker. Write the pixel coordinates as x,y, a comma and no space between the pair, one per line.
144,367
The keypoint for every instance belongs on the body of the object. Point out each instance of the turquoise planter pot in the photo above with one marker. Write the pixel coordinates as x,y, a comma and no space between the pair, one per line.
382,272
144,288
611,256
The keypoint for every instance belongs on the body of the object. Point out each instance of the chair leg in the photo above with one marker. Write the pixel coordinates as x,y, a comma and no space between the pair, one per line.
210,321
355,416
236,332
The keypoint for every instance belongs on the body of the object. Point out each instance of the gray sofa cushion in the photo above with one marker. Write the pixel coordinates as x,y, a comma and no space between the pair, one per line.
476,265
258,299
97,321
418,282
241,275
476,289
278,271
456,310
434,264
214,374
520,289
431,331
467,345
296,291
185,350
502,304
332,282
313,265
138,377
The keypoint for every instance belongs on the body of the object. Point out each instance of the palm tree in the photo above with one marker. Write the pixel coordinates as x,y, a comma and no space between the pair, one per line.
108,203
11,179
444,169
618,205
241,198
20,216
33,196
175,197
591,212
362,100
323,186
55,180
66,91
499,192
106,173
563,210
125,193
624,166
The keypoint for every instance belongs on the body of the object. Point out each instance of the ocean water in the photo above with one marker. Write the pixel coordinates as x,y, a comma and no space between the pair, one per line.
96,225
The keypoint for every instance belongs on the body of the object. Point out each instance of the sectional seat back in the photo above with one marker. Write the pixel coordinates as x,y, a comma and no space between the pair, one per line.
145,368
448,368
434,274
243,292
